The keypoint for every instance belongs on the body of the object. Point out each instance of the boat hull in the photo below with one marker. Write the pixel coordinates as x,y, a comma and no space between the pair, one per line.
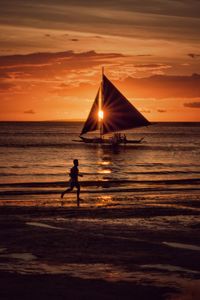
107,141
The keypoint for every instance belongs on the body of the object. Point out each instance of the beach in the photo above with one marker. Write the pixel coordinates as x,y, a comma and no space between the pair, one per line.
148,252
135,234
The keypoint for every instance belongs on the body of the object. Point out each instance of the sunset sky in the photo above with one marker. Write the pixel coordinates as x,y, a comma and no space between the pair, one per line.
51,54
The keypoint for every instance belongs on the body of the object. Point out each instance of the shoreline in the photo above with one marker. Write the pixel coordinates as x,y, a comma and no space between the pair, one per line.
148,252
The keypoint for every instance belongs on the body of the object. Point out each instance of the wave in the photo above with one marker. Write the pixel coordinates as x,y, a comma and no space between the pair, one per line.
125,173
143,146
32,174
182,165
164,172
104,183
97,191
35,145
28,166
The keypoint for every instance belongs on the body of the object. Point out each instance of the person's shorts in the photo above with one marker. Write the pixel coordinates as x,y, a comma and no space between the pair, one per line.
74,184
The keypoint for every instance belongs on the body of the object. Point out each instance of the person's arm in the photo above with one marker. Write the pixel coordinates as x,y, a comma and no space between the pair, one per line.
80,175
70,173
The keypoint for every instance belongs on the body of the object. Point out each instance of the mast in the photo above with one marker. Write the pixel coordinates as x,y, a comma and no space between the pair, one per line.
101,99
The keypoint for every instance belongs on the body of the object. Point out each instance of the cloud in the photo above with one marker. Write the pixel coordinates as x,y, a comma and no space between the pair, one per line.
56,73
192,104
5,86
4,75
161,111
175,8
147,18
56,66
69,71
163,86
32,59
74,40
154,68
29,111
98,37
151,66
193,55
143,55
46,58
153,87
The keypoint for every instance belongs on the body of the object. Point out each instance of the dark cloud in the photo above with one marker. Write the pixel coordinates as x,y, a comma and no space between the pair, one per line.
143,55
5,86
74,40
161,111
29,111
154,87
151,66
193,55
162,86
4,75
49,70
32,59
52,67
192,104
46,58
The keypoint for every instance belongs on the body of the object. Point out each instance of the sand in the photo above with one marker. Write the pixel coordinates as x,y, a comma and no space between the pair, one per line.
147,252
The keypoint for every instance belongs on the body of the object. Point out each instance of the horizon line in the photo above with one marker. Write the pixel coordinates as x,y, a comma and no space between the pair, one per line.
83,120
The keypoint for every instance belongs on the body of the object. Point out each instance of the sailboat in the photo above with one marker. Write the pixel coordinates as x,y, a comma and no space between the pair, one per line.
111,113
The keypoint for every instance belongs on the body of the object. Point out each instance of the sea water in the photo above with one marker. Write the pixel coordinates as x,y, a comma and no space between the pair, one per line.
35,159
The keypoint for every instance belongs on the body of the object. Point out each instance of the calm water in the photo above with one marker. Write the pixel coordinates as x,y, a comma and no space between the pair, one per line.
35,158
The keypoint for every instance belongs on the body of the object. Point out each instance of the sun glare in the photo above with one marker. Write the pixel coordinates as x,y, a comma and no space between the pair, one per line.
100,114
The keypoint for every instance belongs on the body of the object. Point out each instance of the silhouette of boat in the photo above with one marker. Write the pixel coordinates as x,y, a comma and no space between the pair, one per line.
111,112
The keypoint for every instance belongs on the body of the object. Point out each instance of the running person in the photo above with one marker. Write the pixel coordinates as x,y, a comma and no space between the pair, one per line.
74,173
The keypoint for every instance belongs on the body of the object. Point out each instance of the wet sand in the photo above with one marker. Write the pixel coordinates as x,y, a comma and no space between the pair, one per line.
150,252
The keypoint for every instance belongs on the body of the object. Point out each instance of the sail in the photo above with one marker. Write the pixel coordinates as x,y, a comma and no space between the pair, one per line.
119,113
91,123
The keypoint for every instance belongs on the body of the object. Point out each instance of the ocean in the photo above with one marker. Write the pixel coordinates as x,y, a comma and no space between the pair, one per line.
136,232
35,159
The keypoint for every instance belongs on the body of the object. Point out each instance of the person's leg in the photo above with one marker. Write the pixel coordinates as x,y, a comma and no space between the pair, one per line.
67,190
78,194
78,202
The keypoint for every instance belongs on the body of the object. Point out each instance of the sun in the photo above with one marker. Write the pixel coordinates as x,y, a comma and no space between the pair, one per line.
100,114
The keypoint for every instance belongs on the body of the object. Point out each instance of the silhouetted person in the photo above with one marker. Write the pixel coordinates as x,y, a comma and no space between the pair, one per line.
74,173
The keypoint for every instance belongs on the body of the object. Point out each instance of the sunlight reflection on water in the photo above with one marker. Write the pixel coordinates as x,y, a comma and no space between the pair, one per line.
104,163
105,171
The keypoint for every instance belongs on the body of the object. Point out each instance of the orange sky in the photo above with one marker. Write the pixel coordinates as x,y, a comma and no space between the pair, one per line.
51,54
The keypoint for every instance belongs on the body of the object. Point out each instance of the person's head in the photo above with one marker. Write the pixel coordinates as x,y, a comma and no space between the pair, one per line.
75,162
